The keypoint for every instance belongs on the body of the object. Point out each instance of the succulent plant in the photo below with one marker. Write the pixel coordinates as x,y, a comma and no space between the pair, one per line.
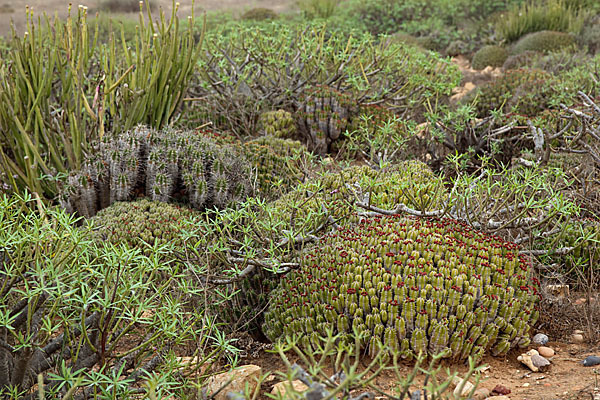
543,41
520,91
137,222
417,284
323,115
161,165
277,163
411,183
493,56
278,123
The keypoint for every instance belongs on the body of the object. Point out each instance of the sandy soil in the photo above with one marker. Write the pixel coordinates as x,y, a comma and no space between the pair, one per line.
567,378
15,10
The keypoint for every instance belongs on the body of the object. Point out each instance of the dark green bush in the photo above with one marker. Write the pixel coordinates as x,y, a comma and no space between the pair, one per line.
493,56
544,42
419,286
259,14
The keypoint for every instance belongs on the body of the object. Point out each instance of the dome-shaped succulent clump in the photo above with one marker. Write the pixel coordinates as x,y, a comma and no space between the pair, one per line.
333,195
418,285
493,56
543,41
144,221
259,14
160,164
278,123
277,162
323,114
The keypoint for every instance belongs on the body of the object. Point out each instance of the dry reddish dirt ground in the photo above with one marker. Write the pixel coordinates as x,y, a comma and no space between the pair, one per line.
567,378
15,9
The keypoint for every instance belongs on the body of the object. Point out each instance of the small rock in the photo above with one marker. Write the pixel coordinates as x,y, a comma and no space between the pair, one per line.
467,387
526,384
481,394
525,358
283,387
578,332
546,351
540,338
540,362
500,390
591,361
577,338
498,398
580,301
247,374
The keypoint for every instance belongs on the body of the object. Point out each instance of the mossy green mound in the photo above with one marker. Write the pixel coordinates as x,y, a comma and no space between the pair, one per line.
259,14
493,56
543,41
418,285
141,222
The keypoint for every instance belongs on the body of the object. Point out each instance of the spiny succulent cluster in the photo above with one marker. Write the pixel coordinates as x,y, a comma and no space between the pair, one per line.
493,56
137,222
159,164
277,163
418,285
278,123
411,183
521,91
543,41
323,116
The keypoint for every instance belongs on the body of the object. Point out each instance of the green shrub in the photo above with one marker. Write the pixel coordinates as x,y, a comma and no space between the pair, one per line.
259,14
521,91
377,136
141,222
589,38
140,83
358,66
160,164
540,15
74,309
419,286
493,56
318,8
544,42
334,194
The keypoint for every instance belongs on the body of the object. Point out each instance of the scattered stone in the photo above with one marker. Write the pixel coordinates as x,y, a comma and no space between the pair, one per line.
534,361
559,291
546,351
577,338
526,384
467,387
238,378
591,361
481,394
540,362
284,387
498,398
580,301
578,332
540,338
500,390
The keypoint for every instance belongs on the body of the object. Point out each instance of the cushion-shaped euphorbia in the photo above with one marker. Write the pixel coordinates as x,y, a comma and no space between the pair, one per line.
418,285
